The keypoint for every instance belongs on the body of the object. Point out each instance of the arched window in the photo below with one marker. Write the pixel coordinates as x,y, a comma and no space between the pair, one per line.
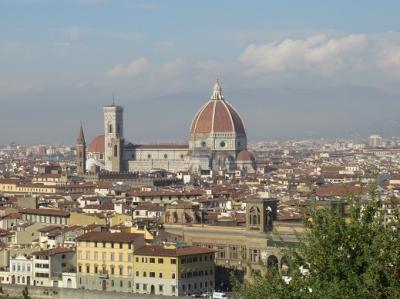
254,216
115,151
109,128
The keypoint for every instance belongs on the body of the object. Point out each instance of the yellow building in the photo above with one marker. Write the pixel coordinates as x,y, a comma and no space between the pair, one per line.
86,219
105,260
173,270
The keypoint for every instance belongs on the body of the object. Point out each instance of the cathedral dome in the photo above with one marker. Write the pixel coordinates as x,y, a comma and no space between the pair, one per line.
217,116
245,156
97,145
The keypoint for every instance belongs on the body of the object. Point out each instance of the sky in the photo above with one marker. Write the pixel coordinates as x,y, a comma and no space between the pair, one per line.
61,61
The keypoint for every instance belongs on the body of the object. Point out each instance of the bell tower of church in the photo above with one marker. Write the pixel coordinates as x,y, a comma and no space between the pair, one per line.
260,214
81,154
113,137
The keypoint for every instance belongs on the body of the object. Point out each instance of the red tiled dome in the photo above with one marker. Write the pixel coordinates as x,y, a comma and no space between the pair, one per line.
217,115
97,145
245,156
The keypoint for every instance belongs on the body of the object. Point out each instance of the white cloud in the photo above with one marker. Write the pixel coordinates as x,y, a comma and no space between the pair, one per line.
389,60
317,53
133,68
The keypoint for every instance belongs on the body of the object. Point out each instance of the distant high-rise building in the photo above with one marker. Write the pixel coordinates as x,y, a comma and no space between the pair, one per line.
375,141
113,137
81,153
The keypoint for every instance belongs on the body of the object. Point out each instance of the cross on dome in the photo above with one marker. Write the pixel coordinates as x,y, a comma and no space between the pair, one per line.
217,91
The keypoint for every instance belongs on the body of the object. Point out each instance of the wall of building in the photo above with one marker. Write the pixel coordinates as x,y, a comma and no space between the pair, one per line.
61,293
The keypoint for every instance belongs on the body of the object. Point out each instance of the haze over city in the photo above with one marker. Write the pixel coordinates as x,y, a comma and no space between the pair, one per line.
305,69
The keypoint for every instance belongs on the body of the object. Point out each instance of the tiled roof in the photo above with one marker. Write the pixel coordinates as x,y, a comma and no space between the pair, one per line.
109,237
45,212
53,251
158,250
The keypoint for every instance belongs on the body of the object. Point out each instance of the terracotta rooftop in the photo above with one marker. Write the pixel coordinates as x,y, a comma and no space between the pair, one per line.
109,237
45,212
53,251
158,250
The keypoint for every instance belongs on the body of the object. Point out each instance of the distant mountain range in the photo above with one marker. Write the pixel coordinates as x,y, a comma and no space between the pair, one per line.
268,113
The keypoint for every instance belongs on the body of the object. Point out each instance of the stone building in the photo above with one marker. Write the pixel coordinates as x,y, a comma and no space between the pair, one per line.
239,247
80,154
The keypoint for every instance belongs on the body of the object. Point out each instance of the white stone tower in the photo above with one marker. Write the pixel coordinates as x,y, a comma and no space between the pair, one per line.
113,137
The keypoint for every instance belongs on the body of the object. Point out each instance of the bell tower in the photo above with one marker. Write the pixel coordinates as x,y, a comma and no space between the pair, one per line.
260,214
81,154
113,137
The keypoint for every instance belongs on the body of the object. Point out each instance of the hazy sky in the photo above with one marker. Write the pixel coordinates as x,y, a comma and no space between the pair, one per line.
60,60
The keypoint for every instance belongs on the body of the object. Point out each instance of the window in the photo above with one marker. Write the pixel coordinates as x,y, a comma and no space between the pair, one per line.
144,287
121,284
173,275
112,270
121,257
87,269
254,255
152,260
137,260
165,156
144,274
222,144
121,270
137,273
88,255
173,261
152,274
112,256
161,261
130,258
160,275
221,251
173,289
160,288
137,286
80,269
112,283
115,150
112,244
103,256
234,252
96,269
95,257
120,245
109,128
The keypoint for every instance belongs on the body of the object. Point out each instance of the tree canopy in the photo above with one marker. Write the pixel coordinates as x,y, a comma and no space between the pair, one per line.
357,256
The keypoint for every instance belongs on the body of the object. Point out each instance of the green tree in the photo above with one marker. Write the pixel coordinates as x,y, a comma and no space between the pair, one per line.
356,257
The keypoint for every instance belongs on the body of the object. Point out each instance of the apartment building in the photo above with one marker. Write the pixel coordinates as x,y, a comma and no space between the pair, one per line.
173,270
105,260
